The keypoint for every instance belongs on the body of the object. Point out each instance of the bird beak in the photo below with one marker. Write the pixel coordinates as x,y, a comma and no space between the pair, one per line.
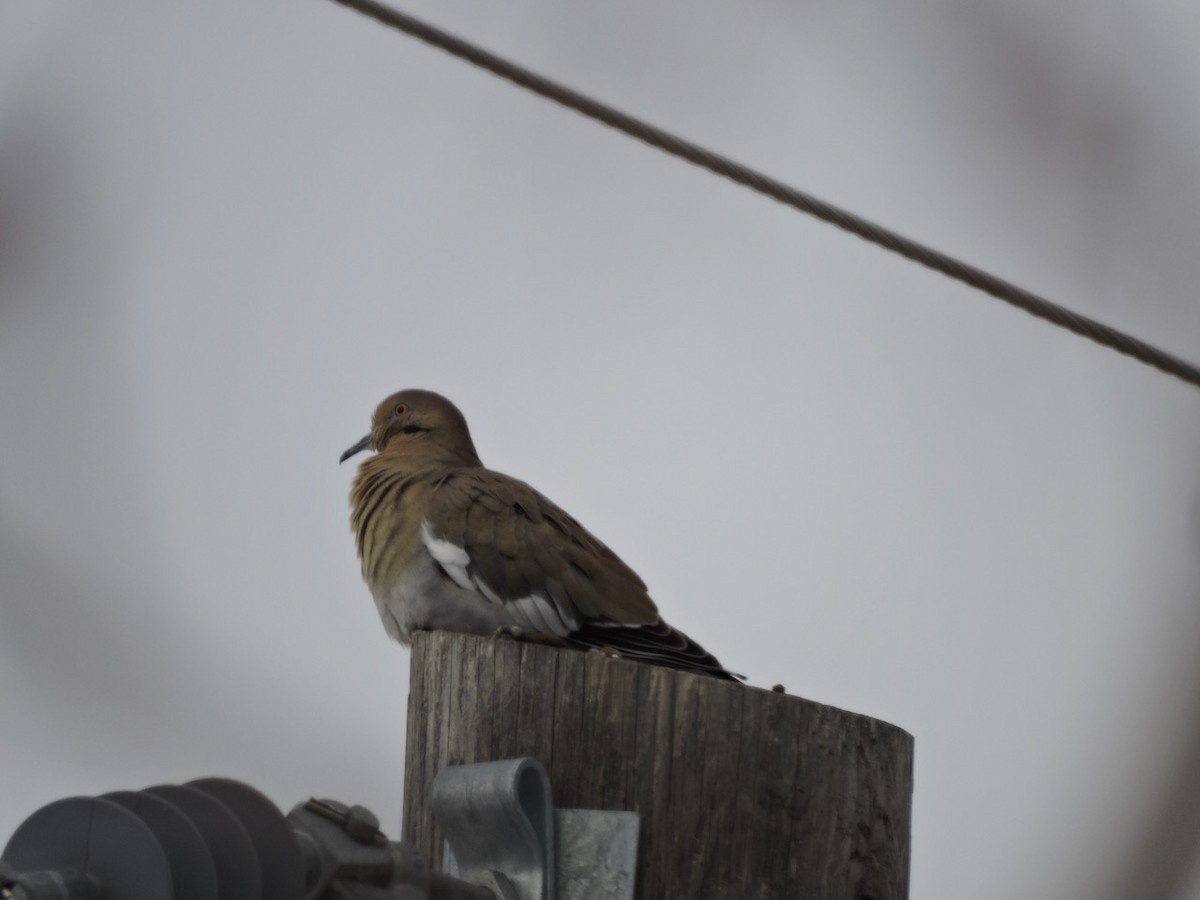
362,445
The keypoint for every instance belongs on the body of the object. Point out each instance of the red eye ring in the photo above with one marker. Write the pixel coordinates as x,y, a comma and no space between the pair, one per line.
401,409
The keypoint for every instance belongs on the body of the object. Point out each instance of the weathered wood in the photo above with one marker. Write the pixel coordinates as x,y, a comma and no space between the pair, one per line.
743,793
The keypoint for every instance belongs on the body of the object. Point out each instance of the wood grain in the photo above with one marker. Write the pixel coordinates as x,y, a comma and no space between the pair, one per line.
743,793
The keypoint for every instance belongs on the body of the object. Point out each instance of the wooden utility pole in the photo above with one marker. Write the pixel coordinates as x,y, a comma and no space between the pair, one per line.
743,793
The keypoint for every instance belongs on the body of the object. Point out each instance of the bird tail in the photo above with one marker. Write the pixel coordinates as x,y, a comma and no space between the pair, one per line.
658,644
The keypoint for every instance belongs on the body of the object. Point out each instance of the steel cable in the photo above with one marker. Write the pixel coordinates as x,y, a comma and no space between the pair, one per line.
720,165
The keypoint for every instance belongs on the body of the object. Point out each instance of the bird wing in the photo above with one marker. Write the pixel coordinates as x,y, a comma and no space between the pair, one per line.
498,536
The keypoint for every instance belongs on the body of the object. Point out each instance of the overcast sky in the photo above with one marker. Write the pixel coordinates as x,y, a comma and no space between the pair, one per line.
228,229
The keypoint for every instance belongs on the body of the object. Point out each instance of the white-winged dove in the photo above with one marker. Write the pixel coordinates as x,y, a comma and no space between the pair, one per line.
448,544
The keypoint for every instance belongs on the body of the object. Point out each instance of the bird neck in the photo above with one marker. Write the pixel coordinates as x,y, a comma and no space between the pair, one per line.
430,450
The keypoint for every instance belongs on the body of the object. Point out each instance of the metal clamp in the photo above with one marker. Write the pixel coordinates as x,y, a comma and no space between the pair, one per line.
499,825
502,832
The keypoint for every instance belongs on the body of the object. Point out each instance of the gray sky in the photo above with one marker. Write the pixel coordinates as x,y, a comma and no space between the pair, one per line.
227,230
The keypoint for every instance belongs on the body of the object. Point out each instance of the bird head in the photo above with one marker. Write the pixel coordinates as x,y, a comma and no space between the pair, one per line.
417,419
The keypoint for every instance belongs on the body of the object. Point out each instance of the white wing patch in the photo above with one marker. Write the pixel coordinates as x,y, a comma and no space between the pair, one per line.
452,558
481,586
551,614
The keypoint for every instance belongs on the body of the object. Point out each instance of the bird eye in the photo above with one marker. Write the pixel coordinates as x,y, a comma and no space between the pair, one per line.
401,409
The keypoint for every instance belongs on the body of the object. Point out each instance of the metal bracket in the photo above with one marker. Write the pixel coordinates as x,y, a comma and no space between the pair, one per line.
499,821
502,832
597,854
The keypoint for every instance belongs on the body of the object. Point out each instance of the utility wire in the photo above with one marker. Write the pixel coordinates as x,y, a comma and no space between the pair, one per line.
777,190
